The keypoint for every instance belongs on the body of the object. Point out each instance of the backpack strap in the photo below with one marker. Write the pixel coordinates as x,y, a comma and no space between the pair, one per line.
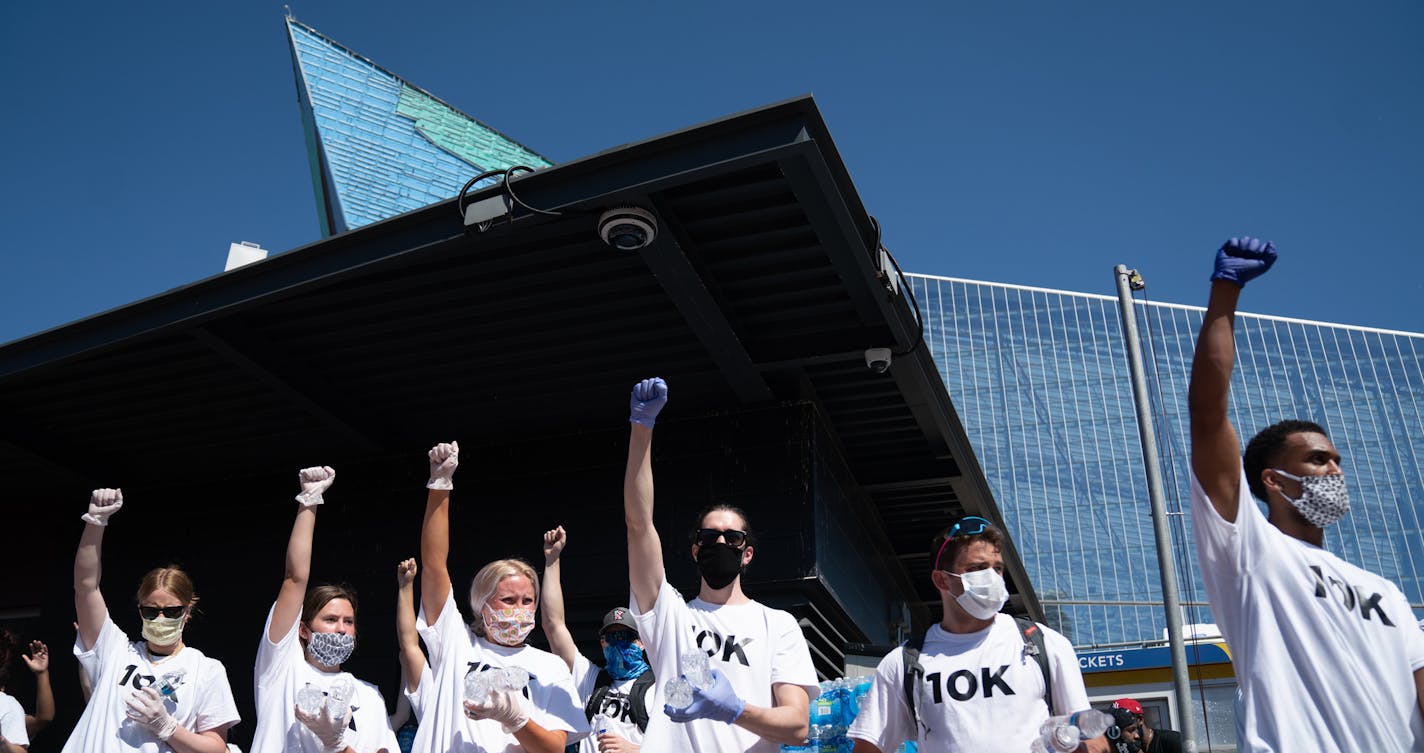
1034,646
913,671
638,699
600,689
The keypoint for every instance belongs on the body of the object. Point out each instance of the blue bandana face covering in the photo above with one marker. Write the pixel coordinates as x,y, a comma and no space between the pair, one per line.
624,660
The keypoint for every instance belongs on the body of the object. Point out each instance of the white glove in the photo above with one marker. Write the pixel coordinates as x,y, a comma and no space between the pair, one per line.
102,504
444,458
314,481
329,730
503,706
146,708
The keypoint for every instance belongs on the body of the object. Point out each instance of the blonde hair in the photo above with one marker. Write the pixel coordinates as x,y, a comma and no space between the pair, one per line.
171,579
488,579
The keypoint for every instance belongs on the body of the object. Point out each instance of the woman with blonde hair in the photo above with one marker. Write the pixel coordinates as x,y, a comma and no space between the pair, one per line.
464,714
154,695
305,702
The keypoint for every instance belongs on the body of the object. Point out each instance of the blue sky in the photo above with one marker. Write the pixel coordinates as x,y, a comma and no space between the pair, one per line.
1035,143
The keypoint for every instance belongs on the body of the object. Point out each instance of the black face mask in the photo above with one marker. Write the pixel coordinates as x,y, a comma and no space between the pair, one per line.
720,564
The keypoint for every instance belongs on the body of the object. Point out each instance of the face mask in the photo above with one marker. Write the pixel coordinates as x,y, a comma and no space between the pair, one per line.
331,649
1323,499
163,631
624,660
984,593
720,564
508,627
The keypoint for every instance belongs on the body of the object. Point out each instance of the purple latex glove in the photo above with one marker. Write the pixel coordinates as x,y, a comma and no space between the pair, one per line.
718,703
1241,260
649,397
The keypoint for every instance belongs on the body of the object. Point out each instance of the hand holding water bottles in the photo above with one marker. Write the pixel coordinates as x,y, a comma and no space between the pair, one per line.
718,702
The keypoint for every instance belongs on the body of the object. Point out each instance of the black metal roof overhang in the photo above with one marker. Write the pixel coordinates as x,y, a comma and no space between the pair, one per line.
761,287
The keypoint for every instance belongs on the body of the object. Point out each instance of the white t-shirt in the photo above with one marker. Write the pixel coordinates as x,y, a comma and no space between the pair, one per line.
753,645
981,691
12,721
1324,651
616,705
117,667
550,700
418,698
282,670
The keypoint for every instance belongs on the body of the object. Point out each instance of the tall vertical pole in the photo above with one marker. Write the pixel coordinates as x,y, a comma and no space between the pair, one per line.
1171,602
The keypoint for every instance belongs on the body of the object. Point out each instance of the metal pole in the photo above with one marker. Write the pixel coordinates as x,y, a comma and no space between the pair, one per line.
1171,604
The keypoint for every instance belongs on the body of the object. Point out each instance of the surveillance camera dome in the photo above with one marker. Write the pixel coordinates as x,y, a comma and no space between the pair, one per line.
877,359
627,228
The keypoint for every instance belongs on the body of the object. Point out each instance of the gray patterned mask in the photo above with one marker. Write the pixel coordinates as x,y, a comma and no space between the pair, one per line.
1323,499
331,649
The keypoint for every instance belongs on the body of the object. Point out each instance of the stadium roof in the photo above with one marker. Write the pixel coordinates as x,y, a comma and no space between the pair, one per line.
761,288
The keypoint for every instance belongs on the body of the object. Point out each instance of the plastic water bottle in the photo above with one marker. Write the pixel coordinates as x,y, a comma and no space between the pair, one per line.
338,698
168,684
478,686
1091,723
696,668
512,678
678,693
600,724
1056,737
310,699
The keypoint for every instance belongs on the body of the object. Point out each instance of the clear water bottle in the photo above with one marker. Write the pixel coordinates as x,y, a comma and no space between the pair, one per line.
310,699
1091,723
697,668
678,693
1056,735
600,724
169,682
512,678
338,698
478,686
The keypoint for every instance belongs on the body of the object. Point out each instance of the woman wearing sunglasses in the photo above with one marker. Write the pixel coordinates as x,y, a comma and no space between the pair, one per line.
153,695
308,636
538,719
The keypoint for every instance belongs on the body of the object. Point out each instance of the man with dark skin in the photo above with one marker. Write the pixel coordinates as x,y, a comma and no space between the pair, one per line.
1326,653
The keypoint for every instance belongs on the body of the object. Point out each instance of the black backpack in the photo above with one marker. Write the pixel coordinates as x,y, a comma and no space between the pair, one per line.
637,695
1033,646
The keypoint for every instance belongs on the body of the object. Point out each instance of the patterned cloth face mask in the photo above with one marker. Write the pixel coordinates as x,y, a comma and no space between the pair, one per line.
331,649
1323,499
508,626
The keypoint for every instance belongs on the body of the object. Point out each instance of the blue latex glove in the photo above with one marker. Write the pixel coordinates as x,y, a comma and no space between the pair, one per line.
718,703
649,397
1241,260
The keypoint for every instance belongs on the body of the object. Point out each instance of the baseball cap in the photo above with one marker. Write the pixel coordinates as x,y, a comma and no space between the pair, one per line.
1122,718
1128,705
618,616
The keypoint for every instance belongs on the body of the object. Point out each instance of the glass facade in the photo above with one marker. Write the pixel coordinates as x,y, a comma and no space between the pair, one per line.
377,145
1041,382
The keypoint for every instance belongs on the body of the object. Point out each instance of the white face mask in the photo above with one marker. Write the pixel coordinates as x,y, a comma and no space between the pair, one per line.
984,592
1323,500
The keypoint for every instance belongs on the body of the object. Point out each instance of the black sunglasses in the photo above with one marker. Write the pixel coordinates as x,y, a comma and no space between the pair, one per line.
620,636
172,613
709,536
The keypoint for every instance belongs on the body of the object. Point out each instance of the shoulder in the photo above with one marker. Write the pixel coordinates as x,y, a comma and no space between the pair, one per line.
8,703
1053,639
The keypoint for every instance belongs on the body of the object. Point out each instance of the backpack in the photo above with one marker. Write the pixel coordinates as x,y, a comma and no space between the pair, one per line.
1033,646
637,697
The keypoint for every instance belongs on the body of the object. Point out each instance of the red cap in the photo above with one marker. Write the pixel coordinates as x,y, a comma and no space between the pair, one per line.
1128,705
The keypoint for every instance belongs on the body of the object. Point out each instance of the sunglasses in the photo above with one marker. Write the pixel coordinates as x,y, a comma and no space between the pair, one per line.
172,613
620,636
709,536
970,525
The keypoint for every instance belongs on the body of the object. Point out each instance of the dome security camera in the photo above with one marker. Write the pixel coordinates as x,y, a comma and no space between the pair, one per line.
877,359
627,228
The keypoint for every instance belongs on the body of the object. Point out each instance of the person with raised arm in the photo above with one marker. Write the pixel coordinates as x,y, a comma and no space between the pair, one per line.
305,702
1327,654
761,680
540,718
618,696
410,707
154,695
17,727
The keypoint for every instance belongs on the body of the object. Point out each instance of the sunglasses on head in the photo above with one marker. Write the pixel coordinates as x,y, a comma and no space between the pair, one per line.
709,536
151,613
970,525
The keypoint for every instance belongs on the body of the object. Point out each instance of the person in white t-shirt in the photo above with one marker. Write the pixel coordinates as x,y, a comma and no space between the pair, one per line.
543,717
410,707
979,685
1326,653
150,696
620,694
309,634
29,724
763,679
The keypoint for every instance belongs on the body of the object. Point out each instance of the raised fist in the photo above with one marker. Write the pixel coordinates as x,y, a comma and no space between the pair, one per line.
314,481
649,397
554,542
1241,260
102,504
444,459
405,573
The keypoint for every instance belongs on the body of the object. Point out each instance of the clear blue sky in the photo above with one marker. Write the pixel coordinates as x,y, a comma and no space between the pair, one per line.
1035,143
